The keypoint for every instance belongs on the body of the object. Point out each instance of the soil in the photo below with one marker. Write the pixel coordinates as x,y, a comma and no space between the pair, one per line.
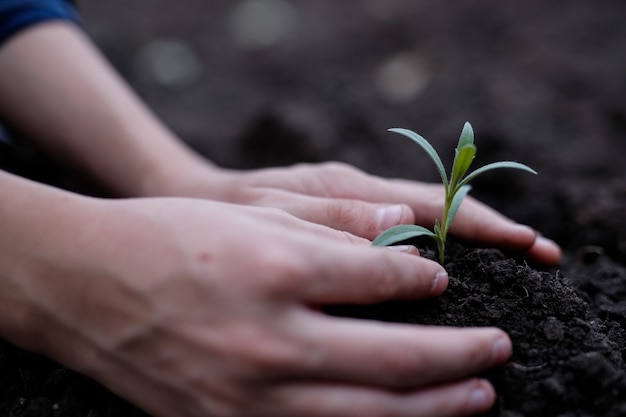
542,82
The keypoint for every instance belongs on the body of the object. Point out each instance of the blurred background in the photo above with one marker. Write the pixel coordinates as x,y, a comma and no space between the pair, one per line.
252,83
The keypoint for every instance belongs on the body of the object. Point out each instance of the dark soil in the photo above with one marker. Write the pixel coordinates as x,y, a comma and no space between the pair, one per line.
566,360
542,82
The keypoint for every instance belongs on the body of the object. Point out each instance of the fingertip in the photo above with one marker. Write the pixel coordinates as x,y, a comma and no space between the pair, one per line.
549,248
501,348
545,252
539,249
481,396
440,283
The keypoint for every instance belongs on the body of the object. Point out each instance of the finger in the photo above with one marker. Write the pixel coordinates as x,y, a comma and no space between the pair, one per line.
282,218
396,355
480,223
366,274
358,217
544,252
474,221
322,400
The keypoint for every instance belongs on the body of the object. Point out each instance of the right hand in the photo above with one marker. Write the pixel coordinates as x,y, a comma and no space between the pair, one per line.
193,308
345,198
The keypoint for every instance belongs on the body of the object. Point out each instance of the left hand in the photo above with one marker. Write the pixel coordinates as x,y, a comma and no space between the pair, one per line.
346,198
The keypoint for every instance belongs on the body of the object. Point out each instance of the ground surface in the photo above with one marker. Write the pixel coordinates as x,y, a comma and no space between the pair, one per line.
542,82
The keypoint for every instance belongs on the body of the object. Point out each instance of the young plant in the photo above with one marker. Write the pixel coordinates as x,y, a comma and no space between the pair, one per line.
456,188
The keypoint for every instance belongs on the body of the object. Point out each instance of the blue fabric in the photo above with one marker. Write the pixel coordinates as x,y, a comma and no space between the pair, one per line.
16,15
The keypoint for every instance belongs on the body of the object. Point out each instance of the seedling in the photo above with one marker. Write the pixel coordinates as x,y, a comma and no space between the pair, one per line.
456,188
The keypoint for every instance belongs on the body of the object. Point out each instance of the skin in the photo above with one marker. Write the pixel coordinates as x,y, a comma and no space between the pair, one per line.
161,300
202,297
345,198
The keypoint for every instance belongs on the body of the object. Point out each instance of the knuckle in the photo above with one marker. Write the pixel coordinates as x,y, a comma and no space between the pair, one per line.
335,168
383,280
338,175
270,359
314,354
347,237
264,354
478,353
384,286
404,366
279,273
344,211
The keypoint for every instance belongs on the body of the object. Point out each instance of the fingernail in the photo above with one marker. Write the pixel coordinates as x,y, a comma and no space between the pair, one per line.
501,349
389,216
439,283
480,398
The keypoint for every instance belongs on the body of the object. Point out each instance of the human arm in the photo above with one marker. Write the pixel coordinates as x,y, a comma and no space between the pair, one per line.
63,96
82,111
192,307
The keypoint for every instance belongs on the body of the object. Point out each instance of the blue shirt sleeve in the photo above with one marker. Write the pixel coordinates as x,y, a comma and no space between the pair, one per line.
16,15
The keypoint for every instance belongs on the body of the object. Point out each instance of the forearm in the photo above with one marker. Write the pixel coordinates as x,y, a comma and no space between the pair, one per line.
66,292
36,220
59,92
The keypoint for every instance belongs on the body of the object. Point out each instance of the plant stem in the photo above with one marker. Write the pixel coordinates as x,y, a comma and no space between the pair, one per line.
441,242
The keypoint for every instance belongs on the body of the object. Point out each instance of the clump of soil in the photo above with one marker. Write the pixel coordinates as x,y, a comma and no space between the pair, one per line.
567,361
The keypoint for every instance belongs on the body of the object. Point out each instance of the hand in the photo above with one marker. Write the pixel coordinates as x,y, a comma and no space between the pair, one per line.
196,308
345,198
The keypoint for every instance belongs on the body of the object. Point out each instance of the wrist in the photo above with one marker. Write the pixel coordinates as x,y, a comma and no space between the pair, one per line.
186,174
39,226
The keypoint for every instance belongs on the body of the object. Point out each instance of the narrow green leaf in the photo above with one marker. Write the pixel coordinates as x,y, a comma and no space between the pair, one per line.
462,160
437,230
463,155
428,148
454,206
495,165
467,136
401,233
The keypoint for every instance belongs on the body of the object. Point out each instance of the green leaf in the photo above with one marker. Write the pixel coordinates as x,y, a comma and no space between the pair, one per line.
467,136
454,206
401,233
462,160
495,165
463,154
437,228
428,148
